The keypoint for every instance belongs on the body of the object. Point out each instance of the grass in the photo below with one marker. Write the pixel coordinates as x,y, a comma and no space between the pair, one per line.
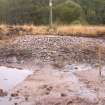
88,31
64,30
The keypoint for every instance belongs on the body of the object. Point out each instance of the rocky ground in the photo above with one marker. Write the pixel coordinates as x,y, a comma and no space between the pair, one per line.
65,70
58,50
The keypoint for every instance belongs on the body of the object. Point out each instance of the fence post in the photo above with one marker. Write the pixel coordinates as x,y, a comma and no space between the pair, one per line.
51,14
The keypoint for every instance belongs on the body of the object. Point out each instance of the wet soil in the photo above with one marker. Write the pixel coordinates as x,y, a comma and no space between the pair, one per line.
65,70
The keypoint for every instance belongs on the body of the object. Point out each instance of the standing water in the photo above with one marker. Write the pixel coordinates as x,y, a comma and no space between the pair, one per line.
10,77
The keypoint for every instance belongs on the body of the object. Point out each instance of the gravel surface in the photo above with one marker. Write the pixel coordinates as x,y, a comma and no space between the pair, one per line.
53,49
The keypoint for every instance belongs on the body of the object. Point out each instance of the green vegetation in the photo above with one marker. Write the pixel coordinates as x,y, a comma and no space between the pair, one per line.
65,12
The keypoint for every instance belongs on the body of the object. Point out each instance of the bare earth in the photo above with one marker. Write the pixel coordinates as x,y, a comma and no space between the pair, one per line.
65,70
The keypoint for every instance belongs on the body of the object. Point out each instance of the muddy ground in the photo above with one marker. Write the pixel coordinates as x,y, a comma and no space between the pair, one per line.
65,70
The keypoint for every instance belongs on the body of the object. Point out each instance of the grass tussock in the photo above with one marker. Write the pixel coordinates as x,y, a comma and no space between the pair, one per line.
64,30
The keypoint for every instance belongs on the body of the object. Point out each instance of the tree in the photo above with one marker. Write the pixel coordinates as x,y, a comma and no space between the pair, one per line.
67,12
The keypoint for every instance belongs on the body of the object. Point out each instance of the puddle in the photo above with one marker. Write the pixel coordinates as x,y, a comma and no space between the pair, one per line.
10,77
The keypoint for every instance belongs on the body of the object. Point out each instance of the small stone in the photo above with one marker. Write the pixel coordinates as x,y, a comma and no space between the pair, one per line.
2,93
15,103
47,92
63,94
26,98
69,103
76,68
14,94
49,88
